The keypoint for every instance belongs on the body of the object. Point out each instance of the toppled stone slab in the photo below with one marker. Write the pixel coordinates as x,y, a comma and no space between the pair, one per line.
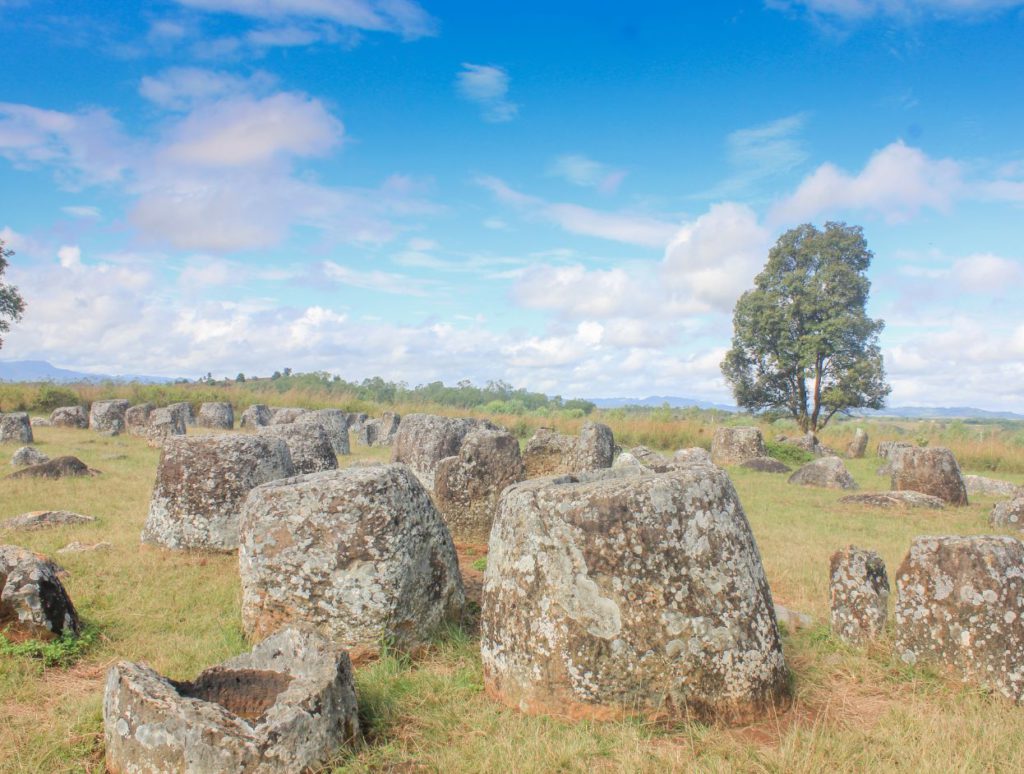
77,547
28,455
107,416
629,592
932,470
201,483
34,520
858,594
904,499
858,446
960,604
58,467
136,419
549,453
1009,513
423,440
766,465
982,485
468,485
217,415
257,415
736,445
334,423
163,424
33,601
827,472
361,554
379,432
285,707
308,444
15,426
70,416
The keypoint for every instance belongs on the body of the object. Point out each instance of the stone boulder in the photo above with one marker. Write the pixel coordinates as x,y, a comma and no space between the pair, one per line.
15,426
308,444
163,424
335,424
35,520
356,420
613,592
217,415
201,483
184,412
136,419
992,487
549,453
257,415
58,467
40,422
695,456
905,499
827,472
858,594
28,455
1009,513
932,470
285,416
423,440
766,465
70,416
887,450
736,445
285,707
361,554
379,432
468,485
107,416
33,601
960,604
858,446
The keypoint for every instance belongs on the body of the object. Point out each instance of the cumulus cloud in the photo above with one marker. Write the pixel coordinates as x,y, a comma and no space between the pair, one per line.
582,171
487,86
179,88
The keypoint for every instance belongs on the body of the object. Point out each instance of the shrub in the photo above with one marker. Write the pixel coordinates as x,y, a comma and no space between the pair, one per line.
50,396
787,453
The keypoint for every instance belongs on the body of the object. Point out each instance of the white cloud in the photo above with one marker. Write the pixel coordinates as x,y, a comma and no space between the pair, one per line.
577,291
585,172
83,211
762,152
179,88
70,256
381,281
857,10
988,273
487,86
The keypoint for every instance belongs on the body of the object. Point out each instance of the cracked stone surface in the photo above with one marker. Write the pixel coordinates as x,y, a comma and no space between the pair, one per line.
285,707
217,415
70,416
107,416
550,453
423,440
200,484
904,499
827,472
982,485
932,470
28,455
35,520
164,423
361,554
858,446
1009,513
257,415
33,601
310,447
960,604
15,426
615,592
468,485
858,594
736,445
136,419
334,422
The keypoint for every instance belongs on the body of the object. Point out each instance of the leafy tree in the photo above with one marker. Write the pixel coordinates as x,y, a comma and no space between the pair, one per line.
802,340
11,302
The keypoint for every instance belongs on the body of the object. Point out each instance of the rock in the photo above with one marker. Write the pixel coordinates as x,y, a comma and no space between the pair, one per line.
356,420
933,471
828,472
1009,513
692,457
163,424
960,603
84,548
40,422
58,467
736,445
34,520
467,486
335,424
184,413
651,459
888,449
423,440
905,499
361,554
553,454
70,416
766,465
15,427
629,593
285,707
201,483
107,416
858,446
28,455
216,415
858,594
136,419
792,619
33,601
257,415
379,432
308,444
981,485
285,416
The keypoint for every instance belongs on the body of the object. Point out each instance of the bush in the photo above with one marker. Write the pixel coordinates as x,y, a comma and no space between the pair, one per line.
787,453
51,396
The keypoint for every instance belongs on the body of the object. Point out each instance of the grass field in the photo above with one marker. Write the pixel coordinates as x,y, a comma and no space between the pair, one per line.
855,710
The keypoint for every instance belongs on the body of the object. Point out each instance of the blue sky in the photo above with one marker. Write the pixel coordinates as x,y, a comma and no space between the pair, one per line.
569,197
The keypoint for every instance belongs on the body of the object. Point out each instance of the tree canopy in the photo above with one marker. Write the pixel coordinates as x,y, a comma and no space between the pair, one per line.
11,302
802,340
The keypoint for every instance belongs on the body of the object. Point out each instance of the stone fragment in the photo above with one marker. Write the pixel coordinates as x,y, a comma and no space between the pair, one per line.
200,484
257,415
334,422
933,470
904,499
163,424
361,554
285,707
77,547
736,445
827,472
858,594
960,604
15,427
1009,513
34,520
40,422
379,432
629,593
217,415
468,485
28,455
858,446
308,444
692,457
70,416
285,416
549,453
58,467
423,440
766,465
33,601
136,419
993,487
107,416
184,412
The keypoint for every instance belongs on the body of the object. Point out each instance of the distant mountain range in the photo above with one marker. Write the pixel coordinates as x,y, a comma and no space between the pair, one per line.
41,371
655,401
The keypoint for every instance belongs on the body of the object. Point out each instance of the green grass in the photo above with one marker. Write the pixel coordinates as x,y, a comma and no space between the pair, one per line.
854,709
